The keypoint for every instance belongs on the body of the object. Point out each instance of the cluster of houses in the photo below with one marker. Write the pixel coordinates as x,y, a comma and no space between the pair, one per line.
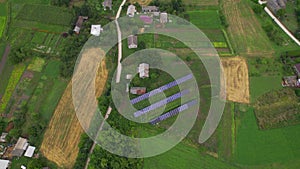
143,71
8,152
276,5
292,81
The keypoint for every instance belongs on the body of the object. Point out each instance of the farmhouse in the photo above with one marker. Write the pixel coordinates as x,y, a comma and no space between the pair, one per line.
79,24
163,17
138,90
146,19
4,164
147,9
275,5
96,30
131,10
30,151
132,42
107,4
143,70
297,69
20,147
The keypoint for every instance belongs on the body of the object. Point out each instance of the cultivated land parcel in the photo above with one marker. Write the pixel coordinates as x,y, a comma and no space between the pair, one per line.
38,101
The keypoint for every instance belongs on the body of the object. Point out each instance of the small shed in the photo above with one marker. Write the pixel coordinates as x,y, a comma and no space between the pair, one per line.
132,42
107,4
20,147
96,30
4,164
23,167
131,10
151,9
163,17
138,90
3,137
143,70
29,152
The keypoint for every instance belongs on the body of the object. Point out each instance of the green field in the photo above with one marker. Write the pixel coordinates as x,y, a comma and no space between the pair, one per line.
291,20
205,19
256,147
3,9
45,14
185,156
261,85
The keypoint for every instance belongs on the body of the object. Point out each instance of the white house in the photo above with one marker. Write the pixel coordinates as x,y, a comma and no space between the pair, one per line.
143,70
131,10
96,30
30,151
4,164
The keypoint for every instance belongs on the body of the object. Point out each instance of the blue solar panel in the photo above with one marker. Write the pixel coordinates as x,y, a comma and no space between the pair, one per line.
161,89
173,112
161,103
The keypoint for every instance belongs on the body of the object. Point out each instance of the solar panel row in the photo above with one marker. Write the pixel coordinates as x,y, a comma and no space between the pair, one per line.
161,103
161,89
173,112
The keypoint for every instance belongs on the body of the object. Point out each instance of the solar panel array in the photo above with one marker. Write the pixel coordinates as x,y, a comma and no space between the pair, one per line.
161,103
161,89
173,112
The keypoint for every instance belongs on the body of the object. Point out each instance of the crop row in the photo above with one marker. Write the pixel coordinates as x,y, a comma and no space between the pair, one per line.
12,83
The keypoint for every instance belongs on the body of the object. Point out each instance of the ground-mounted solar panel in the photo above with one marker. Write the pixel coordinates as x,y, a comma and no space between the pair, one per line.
173,112
161,103
161,89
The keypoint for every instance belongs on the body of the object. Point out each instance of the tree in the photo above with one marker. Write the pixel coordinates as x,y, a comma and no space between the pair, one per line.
142,45
280,13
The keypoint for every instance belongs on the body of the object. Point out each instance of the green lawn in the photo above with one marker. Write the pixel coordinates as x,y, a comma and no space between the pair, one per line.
291,20
205,19
256,147
261,85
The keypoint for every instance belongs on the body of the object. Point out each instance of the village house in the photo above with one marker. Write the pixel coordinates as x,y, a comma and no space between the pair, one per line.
138,90
96,30
107,4
79,24
20,147
143,70
163,17
131,10
150,9
132,42
4,164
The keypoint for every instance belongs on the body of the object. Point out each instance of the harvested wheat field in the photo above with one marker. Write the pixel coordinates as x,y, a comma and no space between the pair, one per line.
245,31
237,79
64,131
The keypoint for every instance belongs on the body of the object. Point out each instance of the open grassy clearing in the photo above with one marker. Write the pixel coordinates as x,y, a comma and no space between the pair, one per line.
54,15
237,79
3,8
245,31
257,147
64,130
45,2
261,85
185,155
